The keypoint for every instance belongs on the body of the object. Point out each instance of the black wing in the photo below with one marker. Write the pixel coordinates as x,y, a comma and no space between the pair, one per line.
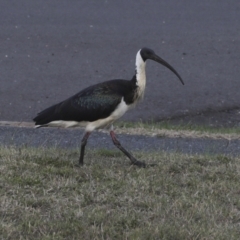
93,103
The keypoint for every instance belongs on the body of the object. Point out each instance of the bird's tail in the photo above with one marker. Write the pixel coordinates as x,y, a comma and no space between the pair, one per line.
46,116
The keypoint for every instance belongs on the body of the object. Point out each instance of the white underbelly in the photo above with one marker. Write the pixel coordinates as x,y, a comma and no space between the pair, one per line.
121,109
116,114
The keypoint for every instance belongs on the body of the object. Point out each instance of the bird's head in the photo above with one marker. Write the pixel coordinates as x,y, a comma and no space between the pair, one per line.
147,53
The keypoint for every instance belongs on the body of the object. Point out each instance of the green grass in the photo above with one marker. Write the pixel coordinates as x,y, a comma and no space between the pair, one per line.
43,195
167,125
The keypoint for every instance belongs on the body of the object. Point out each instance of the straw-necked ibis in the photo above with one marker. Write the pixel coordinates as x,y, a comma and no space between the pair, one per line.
100,105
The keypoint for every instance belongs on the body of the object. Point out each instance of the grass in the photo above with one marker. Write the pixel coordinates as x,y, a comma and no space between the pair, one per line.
43,195
167,129
166,125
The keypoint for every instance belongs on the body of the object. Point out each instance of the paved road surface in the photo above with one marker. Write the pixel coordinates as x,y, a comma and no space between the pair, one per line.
66,138
49,50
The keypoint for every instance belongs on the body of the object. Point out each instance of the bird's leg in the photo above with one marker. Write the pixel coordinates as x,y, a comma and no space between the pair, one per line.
83,144
133,160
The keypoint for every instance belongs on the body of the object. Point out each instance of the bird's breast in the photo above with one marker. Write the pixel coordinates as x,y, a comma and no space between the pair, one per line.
121,109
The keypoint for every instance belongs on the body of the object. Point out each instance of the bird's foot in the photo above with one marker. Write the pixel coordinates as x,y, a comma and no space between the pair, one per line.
143,164
151,164
139,164
79,164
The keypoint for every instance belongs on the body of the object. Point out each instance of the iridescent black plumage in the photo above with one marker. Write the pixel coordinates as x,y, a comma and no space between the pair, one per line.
93,103
102,104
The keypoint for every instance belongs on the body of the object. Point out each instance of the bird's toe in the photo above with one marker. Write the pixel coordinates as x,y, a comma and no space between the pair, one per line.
139,164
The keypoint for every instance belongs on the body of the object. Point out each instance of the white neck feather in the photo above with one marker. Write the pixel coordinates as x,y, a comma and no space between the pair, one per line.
140,74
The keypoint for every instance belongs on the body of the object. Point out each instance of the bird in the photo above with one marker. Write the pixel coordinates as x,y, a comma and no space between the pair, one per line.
100,105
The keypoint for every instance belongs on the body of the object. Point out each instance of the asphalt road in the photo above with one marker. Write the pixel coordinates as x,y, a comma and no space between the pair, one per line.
71,138
49,50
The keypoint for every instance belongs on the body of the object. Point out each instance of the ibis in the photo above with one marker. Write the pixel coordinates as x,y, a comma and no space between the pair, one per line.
100,105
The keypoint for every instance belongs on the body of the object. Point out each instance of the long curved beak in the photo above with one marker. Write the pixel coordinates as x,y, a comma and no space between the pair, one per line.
156,58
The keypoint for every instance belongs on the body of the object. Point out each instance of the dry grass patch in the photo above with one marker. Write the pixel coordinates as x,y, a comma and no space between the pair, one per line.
44,196
165,129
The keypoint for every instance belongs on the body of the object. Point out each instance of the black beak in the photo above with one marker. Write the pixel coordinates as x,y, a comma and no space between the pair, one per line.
164,63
